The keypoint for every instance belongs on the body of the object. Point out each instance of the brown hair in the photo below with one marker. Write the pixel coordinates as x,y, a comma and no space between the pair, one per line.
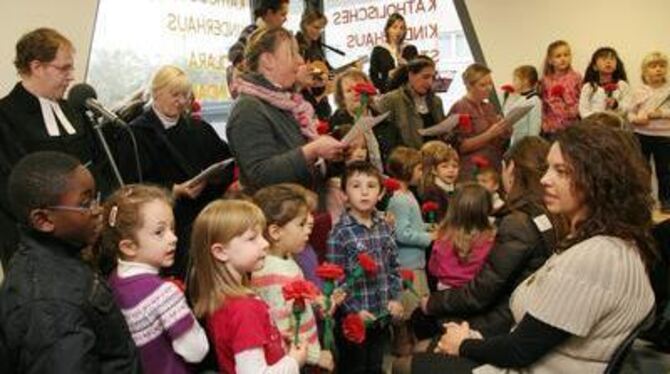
528,73
401,163
42,45
393,18
616,193
339,90
122,216
434,153
361,167
548,67
530,158
474,73
467,219
606,118
280,204
263,40
210,280
309,16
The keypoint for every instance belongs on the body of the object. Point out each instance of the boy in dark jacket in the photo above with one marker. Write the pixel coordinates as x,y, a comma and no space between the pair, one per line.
56,314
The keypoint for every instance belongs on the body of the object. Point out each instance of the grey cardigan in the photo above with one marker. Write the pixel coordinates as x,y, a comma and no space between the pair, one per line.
405,116
266,142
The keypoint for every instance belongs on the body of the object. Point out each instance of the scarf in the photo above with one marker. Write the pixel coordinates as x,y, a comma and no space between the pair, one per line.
292,102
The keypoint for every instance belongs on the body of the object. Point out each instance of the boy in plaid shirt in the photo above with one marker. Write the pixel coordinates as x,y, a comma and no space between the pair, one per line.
362,229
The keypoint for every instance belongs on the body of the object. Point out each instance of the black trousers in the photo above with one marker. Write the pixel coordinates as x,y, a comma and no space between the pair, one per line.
659,147
364,358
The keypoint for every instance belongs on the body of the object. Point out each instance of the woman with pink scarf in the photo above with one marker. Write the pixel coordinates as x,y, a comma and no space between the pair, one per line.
271,129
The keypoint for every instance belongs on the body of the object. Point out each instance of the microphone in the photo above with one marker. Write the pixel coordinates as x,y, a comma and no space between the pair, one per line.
338,51
83,97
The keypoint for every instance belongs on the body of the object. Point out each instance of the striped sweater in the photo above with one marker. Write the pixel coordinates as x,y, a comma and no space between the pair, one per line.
268,283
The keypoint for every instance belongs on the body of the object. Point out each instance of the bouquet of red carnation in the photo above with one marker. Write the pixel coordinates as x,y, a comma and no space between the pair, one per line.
507,88
353,328
299,291
557,91
330,273
610,88
429,209
322,127
364,90
465,123
407,276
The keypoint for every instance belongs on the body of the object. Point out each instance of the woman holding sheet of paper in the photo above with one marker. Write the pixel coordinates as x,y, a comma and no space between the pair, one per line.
412,105
481,134
173,148
271,129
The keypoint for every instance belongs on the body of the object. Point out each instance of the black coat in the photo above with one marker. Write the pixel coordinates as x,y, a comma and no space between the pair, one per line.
195,146
22,131
520,248
59,316
381,64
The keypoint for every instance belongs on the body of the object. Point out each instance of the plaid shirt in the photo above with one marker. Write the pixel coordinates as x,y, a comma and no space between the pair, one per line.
349,238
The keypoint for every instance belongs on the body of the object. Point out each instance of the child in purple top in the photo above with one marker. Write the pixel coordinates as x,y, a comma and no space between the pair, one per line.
138,228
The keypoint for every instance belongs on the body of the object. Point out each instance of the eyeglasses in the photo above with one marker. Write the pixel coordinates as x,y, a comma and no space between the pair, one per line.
63,69
87,207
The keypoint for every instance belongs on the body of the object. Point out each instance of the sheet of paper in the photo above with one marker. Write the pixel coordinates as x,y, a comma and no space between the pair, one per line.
211,171
363,125
516,113
443,127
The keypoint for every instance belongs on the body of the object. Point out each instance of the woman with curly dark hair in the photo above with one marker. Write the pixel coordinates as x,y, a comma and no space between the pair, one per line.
573,313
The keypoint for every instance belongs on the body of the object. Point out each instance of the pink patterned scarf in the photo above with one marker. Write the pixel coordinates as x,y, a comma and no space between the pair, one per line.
302,110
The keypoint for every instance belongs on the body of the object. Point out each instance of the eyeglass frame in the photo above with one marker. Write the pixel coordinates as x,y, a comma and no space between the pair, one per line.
93,205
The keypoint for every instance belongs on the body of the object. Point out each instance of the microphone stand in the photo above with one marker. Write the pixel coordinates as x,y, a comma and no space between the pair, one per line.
97,126
338,51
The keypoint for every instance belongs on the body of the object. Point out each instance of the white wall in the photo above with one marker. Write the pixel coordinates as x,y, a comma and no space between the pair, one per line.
73,18
517,32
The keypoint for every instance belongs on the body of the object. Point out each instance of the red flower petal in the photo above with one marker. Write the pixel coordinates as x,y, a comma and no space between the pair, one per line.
367,263
391,185
365,88
299,291
507,88
353,328
465,122
322,128
328,271
195,106
610,87
429,206
481,161
407,275
557,91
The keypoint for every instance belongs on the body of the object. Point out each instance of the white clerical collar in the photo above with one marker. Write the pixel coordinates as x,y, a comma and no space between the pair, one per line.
52,111
127,269
165,120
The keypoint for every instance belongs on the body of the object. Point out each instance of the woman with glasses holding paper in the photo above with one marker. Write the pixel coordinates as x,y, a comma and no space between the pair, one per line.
174,147
481,134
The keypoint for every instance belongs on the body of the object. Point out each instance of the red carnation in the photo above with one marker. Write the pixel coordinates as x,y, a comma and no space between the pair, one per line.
429,206
557,91
367,263
328,271
322,127
299,291
407,275
480,161
465,123
507,88
610,87
365,88
391,185
353,328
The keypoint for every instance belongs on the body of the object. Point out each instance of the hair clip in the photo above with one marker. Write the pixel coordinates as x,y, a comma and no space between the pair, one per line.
112,216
